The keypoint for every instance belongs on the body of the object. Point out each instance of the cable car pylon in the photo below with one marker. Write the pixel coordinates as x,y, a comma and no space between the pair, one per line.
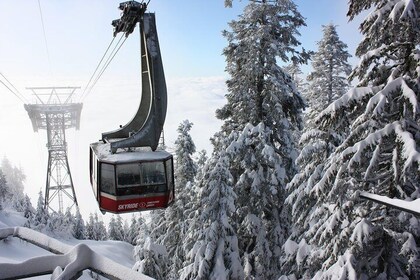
55,112
128,172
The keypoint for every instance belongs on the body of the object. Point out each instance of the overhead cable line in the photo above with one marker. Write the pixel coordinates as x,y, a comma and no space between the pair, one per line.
97,67
45,36
12,92
111,56
16,91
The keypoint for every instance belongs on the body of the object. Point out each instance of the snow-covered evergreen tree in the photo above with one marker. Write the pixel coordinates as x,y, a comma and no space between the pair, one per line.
215,254
186,168
346,236
100,229
328,79
168,226
143,232
293,69
4,191
79,225
126,229
176,225
133,230
60,225
40,219
15,178
201,161
95,229
328,83
152,260
89,228
261,117
11,186
69,221
115,228
27,208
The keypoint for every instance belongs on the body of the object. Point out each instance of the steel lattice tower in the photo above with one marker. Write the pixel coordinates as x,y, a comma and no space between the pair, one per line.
55,112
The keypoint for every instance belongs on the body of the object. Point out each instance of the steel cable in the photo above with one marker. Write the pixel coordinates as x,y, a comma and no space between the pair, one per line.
108,61
97,67
16,91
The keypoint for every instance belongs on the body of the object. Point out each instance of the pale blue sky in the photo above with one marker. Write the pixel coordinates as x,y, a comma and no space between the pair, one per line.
78,32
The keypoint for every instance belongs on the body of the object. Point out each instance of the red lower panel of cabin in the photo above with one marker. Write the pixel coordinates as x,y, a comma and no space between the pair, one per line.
109,204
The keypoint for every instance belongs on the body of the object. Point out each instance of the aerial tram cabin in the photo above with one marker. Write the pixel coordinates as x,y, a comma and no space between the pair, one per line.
128,172
131,181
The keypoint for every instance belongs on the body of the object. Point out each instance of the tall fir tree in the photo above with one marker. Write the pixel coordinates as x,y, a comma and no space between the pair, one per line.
328,79
3,189
328,83
176,225
349,237
115,228
40,218
11,188
95,229
15,178
89,228
100,229
293,69
261,117
143,232
79,226
186,168
60,224
201,161
133,230
215,254
28,209
152,260
126,229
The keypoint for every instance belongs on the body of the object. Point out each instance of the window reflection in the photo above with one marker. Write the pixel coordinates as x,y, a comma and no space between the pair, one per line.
141,178
128,175
107,178
152,173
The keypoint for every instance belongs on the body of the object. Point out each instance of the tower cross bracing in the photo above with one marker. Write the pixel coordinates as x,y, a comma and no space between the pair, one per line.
54,112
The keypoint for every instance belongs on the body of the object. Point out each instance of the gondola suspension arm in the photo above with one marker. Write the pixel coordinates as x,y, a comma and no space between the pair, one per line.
146,126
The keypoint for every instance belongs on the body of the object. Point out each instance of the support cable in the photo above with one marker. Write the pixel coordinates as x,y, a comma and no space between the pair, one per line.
97,67
110,58
117,47
12,91
45,36
15,91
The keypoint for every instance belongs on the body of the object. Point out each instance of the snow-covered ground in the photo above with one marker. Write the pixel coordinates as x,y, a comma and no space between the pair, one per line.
15,250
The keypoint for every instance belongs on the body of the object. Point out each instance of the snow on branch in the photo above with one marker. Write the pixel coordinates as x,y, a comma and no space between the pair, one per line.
410,152
393,7
375,53
362,232
72,259
379,13
341,269
353,95
409,10
380,98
